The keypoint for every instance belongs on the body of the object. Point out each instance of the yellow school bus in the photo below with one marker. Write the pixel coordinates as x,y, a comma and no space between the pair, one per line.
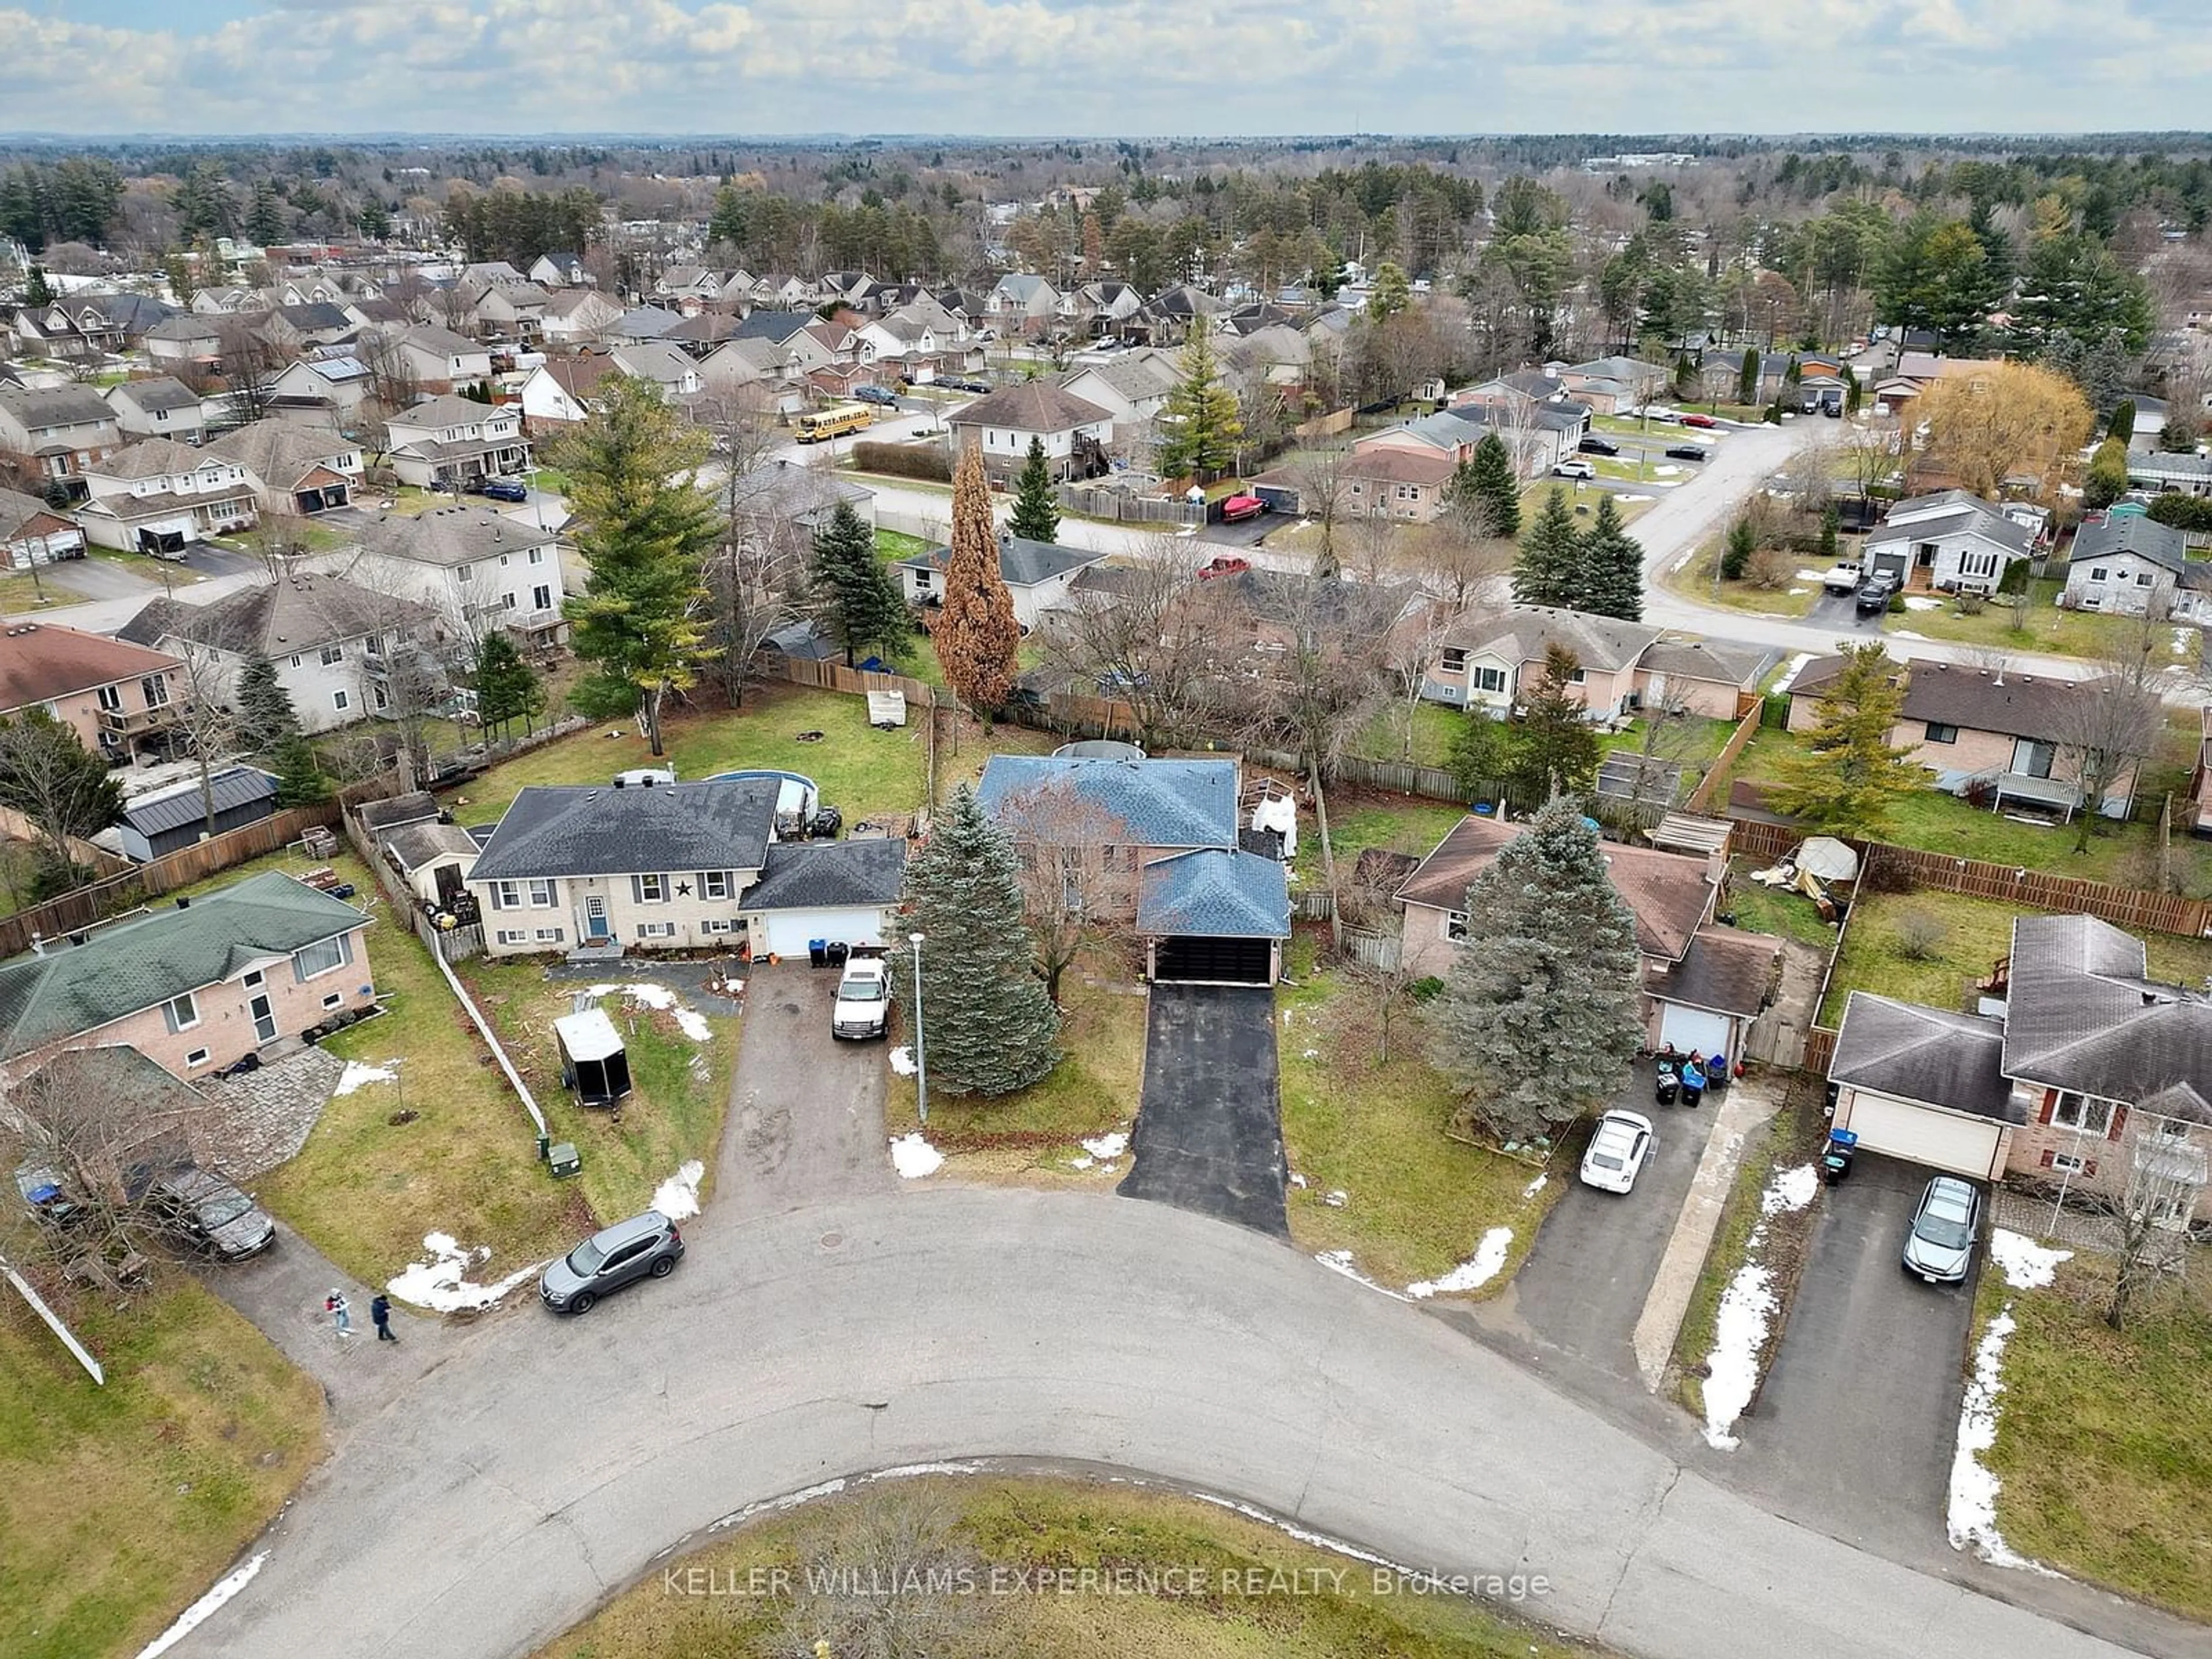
834,423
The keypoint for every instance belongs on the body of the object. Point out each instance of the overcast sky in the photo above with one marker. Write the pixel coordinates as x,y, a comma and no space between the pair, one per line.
1133,67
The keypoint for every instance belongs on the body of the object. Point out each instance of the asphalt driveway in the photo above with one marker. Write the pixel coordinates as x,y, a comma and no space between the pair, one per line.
806,1111
1209,1131
1853,1430
1584,1283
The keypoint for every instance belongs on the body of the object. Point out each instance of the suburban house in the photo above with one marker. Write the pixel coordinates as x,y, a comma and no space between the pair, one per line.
32,534
1395,484
334,645
1614,386
445,442
1703,985
479,570
2004,733
511,311
577,315
1917,370
1037,575
167,820
558,269
1949,542
2134,565
2189,474
1716,678
1076,433
844,892
159,407
1537,436
668,367
1131,386
589,866
55,433
87,326
191,339
779,493
159,497
1021,301
113,694
558,391
1151,845
322,389
438,360
293,468
2092,1073
191,988
1487,662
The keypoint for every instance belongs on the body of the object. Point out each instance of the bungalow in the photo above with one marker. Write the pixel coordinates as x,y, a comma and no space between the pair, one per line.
1996,731
2190,474
167,820
160,496
1075,433
1951,543
159,407
1917,370
113,694
2093,1077
1614,386
1036,574
293,468
2132,564
32,534
605,868
194,987
447,442
1486,663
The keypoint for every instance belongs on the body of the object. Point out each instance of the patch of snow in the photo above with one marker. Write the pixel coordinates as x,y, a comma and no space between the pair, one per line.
1339,1261
205,1608
1478,1270
1790,674
914,1157
1920,602
646,994
903,1062
1079,1163
1791,1189
1299,1181
1633,498
1972,1517
1107,1147
1811,575
1666,472
2027,1265
1800,590
2184,640
441,1283
1732,1367
1534,1187
356,1075
1336,1198
1310,1053
677,1197
693,1025
1903,634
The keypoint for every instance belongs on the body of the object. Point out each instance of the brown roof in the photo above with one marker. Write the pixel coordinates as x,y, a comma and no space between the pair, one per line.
1032,406
580,377
1400,466
1726,971
1814,679
24,516
1669,893
2012,705
40,661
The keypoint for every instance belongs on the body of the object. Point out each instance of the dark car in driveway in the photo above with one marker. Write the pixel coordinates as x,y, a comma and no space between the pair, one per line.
501,489
1598,446
1939,1247
1874,596
1687,452
645,1246
211,1214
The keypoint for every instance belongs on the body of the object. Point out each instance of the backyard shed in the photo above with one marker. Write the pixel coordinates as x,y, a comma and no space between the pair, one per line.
161,822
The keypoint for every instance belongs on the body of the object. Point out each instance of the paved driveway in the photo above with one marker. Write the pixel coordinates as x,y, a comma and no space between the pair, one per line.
1209,1131
806,1111
1852,1433
1583,1285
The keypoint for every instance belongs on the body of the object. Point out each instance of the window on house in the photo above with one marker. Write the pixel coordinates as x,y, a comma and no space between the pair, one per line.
549,935
506,895
182,1013
514,936
2067,1164
656,930
714,883
333,653
1578,677
1455,924
1938,732
382,697
713,924
2096,572
156,689
649,889
541,894
503,562
1455,661
321,957
537,556
1490,679
2144,580
2082,1112
295,662
541,597
111,697
463,572
198,1057
507,601
333,999
341,700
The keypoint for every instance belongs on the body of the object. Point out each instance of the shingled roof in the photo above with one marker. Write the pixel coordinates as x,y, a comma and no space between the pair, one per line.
1923,1055
2082,1013
567,830
1148,803
302,612
41,661
823,875
1213,893
1032,406
450,536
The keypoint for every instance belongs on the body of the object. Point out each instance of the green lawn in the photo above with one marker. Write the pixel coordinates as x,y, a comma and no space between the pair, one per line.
1796,596
1432,727
1006,1529
1763,910
865,772
1416,1203
2061,633
549,478
894,545
22,591
1973,933
1401,823
1696,741
156,572
121,1505
2103,1445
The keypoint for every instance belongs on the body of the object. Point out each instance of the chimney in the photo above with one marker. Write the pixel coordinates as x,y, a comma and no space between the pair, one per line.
648,780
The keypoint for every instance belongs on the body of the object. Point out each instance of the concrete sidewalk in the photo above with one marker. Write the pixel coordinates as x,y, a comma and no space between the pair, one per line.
1746,1105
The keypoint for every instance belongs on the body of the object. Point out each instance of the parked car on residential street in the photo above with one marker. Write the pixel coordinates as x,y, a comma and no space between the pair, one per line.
1940,1248
1874,596
1571,468
1596,446
501,489
1686,452
648,1245
863,999
1700,421
876,395
1617,1152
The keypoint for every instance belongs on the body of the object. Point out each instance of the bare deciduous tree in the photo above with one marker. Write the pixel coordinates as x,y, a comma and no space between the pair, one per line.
2163,1173
756,575
204,719
1323,479
1079,877
2111,723
1148,639
251,364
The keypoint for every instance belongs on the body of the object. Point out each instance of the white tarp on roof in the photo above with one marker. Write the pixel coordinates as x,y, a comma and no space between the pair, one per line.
588,1036
1828,858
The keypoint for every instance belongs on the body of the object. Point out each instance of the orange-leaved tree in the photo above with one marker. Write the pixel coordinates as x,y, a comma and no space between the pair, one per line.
975,632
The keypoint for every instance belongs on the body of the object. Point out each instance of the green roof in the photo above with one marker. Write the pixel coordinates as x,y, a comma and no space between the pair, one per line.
132,965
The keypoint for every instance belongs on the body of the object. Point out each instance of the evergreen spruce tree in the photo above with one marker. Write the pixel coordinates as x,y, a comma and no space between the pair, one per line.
507,688
1735,552
1845,779
1554,749
977,637
1746,379
2123,425
265,716
1538,1020
1831,522
1485,483
1200,426
988,1027
856,597
1611,572
2108,474
1036,516
300,780
1550,550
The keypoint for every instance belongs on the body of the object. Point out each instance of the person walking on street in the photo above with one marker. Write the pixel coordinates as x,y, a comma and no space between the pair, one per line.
341,1312
379,1315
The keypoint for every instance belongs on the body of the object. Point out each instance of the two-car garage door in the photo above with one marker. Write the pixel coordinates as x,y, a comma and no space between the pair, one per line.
1924,1134
788,933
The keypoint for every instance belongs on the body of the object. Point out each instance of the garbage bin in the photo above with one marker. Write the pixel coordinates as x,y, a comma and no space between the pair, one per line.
818,952
838,952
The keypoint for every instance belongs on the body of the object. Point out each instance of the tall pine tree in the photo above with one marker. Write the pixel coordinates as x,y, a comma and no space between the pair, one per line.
988,1027
1848,773
1551,552
976,634
1539,1019
265,715
1486,491
507,688
1555,750
858,598
300,779
1610,574
1199,427
1036,516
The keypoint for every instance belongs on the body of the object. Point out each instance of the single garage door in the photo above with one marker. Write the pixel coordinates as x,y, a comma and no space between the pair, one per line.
1693,1030
1923,1134
1208,961
787,933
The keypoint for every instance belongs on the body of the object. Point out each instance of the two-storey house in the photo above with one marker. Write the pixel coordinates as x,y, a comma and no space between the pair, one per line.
479,570
294,468
443,443
115,695
159,407
160,496
440,360
1076,433
55,432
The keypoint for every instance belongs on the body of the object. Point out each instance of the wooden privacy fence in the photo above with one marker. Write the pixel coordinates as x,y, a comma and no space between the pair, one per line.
1124,507
97,860
836,677
1701,798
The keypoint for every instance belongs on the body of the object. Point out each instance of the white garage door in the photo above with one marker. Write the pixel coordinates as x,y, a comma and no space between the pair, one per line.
1920,1134
788,933
1693,1030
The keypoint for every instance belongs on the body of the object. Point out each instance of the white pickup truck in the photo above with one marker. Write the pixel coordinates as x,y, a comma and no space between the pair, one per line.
1843,578
863,999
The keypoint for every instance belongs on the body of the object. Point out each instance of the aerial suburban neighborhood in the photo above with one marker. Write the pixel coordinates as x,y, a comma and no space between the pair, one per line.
1374,894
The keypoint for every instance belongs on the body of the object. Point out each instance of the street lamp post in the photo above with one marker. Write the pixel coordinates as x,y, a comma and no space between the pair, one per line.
920,1062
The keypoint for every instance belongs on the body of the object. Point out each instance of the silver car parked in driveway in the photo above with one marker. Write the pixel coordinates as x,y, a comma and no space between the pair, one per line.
1939,1247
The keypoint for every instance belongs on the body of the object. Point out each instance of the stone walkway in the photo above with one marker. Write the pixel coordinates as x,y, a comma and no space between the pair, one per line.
262,1118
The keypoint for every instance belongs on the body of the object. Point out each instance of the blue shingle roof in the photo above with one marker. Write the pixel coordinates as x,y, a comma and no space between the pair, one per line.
1155,803
1214,893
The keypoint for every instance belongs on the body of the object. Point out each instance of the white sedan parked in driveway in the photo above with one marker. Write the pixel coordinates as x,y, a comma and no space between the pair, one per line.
1617,1152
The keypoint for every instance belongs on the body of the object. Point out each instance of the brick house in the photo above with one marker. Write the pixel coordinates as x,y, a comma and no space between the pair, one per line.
113,694
2004,731
31,533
